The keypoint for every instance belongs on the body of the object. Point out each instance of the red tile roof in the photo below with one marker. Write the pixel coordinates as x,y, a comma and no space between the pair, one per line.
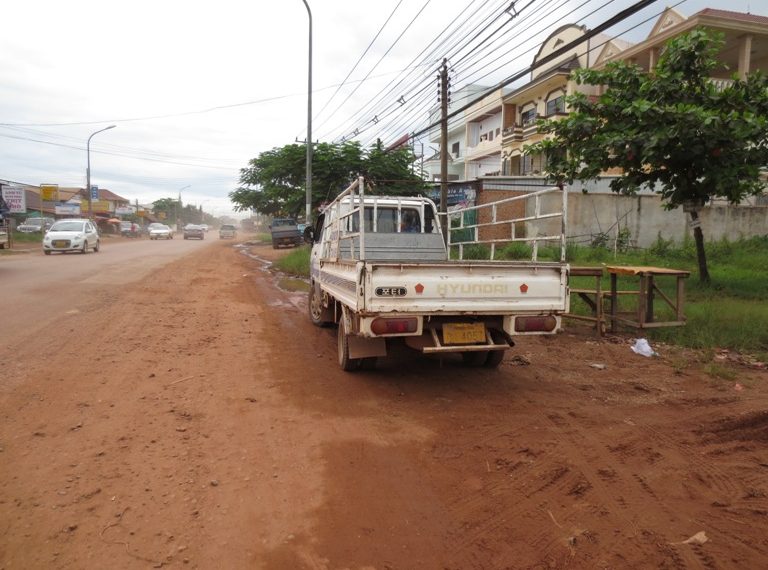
732,15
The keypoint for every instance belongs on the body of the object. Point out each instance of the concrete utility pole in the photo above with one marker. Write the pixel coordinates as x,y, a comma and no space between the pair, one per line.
444,147
309,121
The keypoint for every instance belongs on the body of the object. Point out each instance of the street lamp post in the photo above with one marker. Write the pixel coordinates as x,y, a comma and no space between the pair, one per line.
178,211
88,170
309,121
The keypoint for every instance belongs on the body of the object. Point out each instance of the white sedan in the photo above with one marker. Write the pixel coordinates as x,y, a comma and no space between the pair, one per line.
71,235
160,231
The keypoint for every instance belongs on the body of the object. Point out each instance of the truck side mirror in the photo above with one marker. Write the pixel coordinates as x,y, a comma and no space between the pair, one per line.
309,235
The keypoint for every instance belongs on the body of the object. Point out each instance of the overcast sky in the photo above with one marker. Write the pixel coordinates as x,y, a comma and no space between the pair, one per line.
196,89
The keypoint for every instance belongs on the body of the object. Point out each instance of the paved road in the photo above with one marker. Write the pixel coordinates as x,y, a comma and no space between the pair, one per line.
35,288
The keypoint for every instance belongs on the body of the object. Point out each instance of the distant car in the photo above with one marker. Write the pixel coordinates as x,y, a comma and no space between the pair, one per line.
71,235
160,231
34,225
193,231
227,231
130,229
205,227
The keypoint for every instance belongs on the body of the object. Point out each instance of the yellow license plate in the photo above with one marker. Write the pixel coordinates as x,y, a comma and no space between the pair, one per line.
463,333
59,243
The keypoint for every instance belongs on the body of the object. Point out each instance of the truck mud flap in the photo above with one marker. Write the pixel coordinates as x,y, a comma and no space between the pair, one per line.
360,347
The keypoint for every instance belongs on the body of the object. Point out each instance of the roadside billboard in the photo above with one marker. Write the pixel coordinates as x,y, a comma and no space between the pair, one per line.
67,209
49,192
15,199
125,210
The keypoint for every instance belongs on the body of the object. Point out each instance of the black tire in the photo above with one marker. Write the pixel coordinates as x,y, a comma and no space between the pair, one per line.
368,363
46,252
495,357
347,364
317,313
85,248
96,247
474,358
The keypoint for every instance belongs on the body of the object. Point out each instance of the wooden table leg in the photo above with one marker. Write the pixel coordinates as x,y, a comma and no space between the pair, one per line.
649,305
614,302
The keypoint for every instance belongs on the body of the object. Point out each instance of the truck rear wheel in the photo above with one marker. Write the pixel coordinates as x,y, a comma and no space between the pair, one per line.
347,364
319,315
495,357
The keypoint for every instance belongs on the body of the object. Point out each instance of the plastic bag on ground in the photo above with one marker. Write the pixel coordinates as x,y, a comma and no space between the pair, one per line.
642,348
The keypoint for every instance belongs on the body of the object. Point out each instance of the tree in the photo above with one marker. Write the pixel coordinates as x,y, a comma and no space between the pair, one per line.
673,130
274,182
168,206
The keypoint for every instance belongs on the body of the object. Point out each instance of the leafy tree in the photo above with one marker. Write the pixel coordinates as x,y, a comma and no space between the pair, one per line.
168,206
274,182
673,130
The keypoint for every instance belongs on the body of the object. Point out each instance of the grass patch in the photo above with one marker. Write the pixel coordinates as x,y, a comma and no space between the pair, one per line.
730,312
296,262
22,237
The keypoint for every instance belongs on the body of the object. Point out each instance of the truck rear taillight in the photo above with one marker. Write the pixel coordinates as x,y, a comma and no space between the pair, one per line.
394,326
535,324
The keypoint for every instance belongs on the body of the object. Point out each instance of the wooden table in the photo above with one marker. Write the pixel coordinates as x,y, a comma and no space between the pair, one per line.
592,297
644,316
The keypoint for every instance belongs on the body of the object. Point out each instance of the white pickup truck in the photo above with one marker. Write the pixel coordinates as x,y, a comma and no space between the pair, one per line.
380,269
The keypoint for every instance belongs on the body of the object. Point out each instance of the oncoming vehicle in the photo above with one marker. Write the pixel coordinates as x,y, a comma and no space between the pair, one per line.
71,235
160,231
193,231
34,225
227,231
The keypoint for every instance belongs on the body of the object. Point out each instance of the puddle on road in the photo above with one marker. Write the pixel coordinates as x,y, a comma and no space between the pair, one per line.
294,286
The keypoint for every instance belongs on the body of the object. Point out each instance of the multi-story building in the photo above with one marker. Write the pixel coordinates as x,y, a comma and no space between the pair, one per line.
457,135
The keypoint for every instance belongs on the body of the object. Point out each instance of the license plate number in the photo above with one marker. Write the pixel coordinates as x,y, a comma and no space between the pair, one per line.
463,333
59,243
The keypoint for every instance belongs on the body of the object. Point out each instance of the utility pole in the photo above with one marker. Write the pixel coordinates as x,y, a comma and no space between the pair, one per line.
444,148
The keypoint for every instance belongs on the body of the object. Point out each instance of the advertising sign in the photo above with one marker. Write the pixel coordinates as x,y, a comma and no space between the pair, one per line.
125,210
15,199
98,206
66,209
94,192
48,192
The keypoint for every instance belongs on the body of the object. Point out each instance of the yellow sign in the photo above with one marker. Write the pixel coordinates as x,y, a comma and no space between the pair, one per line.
48,192
161,215
98,206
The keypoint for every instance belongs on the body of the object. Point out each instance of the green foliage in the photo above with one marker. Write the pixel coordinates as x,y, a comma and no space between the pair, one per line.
296,262
731,312
274,182
673,130
515,250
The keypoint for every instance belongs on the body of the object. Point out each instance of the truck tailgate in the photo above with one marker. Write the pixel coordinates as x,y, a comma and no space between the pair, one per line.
457,287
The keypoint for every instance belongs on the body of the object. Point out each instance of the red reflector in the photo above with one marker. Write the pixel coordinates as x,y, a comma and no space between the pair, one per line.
394,326
535,324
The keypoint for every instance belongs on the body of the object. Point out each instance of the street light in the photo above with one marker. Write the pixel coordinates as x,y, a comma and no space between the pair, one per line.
178,211
309,121
88,171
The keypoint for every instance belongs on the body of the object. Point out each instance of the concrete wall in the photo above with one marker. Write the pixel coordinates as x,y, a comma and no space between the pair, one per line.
602,211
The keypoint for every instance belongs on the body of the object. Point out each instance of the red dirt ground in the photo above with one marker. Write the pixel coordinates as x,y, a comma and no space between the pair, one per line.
212,428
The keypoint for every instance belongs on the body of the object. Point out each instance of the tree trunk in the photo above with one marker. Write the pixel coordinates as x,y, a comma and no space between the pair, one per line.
701,255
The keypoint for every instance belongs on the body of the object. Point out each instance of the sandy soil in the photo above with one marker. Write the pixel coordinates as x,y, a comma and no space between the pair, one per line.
212,428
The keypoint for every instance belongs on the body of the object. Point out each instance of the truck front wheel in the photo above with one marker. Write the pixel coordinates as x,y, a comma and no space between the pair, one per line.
348,364
319,315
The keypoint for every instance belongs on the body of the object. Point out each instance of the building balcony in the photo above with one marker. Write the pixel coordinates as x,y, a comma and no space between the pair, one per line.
484,148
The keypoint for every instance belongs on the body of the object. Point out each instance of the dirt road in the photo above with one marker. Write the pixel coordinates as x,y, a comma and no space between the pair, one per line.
209,426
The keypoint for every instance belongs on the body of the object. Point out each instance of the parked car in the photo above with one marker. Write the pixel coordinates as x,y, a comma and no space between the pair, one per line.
227,231
33,225
193,231
130,229
71,235
160,231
